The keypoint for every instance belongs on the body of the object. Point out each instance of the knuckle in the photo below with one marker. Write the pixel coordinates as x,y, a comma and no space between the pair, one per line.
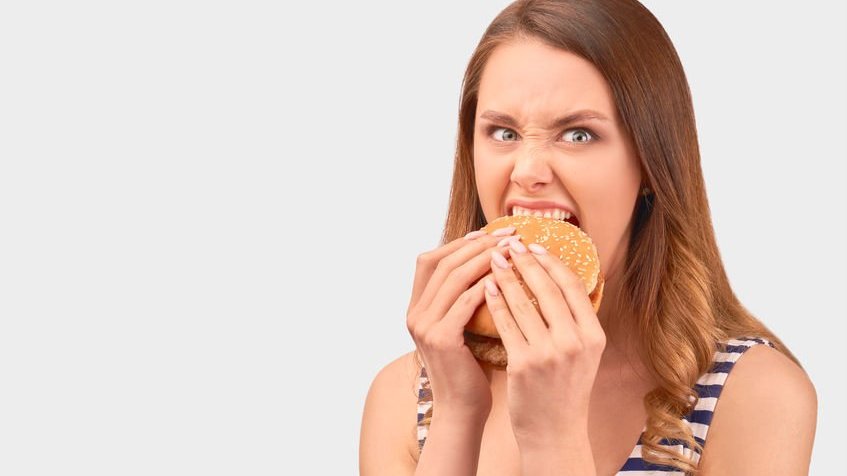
568,350
506,279
573,282
509,324
579,286
461,274
466,298
497,306
571,350
415,330
551,289
442,264
547,356
597,342
416,324
526,308
412,326
425,259
453,274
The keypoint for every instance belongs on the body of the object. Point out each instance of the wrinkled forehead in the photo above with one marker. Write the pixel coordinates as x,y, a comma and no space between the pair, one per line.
531,80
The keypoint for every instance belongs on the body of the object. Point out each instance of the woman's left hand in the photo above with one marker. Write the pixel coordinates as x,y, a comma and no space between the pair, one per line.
551,367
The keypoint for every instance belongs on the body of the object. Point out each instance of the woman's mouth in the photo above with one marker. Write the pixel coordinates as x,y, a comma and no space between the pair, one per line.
554,213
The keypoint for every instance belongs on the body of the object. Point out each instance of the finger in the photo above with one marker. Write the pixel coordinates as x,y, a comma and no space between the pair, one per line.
426,263
510,333
457,282
463,308
521,308
551,299
573,289
445,265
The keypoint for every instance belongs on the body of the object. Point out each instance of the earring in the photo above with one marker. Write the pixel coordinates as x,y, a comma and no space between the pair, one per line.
646,190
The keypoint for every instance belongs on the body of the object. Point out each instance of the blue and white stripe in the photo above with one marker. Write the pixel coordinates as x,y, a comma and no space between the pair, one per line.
708,388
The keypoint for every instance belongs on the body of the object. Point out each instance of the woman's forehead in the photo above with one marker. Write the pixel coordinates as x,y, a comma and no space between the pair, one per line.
529,77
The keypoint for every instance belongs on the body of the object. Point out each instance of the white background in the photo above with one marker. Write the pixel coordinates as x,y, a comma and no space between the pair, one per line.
210,214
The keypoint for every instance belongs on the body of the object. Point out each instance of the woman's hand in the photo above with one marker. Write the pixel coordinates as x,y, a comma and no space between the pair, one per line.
553,357
442,303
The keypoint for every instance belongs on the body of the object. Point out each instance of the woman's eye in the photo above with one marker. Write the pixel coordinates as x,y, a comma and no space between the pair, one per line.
580,135
508,136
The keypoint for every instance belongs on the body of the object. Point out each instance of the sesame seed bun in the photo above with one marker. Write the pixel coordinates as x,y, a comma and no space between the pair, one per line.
561,239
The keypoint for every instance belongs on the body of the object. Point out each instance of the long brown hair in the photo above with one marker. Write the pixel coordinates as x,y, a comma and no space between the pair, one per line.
673,282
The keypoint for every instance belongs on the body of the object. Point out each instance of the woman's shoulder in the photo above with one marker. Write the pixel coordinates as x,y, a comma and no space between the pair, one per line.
762,365
767,413
396,383
403,368
762,371
389,413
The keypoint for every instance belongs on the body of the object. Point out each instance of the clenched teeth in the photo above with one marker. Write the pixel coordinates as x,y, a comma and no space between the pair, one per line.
554,213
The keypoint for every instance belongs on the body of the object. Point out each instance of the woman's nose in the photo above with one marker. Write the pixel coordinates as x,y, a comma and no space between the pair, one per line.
531,169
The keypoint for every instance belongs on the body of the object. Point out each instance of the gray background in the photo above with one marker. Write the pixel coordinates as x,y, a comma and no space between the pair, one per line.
210,214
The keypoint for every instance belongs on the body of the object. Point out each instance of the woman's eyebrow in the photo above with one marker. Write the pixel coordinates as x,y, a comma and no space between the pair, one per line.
581,115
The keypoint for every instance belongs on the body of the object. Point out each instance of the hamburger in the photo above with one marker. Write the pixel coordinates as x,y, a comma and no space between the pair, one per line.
561,239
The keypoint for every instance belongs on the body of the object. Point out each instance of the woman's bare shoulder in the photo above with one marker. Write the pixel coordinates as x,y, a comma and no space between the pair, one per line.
388,435
402,373
765,420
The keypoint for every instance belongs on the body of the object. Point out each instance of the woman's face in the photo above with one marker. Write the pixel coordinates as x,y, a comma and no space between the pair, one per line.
587,165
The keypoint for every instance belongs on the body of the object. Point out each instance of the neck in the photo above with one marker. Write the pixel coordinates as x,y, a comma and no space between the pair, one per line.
621,339
616,325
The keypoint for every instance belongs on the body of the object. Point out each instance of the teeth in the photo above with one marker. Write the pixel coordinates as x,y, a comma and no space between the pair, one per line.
554,213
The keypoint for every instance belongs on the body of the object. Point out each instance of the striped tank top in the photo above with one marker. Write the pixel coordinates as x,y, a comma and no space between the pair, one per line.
708,388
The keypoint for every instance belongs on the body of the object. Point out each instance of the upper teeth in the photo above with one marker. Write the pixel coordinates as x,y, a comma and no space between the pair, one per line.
555,213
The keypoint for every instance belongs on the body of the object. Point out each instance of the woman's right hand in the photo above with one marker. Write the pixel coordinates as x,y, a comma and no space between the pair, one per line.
444,297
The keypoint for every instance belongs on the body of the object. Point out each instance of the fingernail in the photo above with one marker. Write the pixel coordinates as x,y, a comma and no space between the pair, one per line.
517,246
499,259
537,249
474,234
507,239
503,231
490,287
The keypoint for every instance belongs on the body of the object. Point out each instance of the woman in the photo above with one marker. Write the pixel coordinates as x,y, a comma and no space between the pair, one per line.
584,106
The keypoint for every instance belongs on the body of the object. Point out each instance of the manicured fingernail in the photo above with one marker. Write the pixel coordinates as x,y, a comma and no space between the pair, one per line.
517,246
503,231
537,249
474,234
490,287
507,239
499,259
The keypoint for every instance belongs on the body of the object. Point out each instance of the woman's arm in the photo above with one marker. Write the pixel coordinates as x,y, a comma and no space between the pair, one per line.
452,444
765,419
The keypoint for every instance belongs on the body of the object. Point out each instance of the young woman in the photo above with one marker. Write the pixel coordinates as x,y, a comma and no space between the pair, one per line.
584,106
